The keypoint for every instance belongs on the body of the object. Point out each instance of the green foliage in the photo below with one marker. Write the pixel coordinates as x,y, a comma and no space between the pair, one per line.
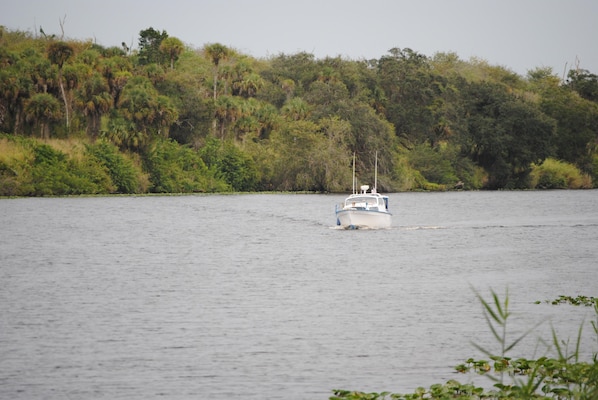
562,377
54,174
467,124
93,98
588,301
171,48
437,169
195,108
122,171
231,164
450,390
415,96
577,124
177,169
505,135
558,378
432,165
496,314
296,166
42,109
585,83
149,46
31,168
301,157
150,112
554,174
59,52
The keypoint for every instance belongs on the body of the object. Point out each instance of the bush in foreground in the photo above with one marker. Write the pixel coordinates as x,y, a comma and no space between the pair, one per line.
561,377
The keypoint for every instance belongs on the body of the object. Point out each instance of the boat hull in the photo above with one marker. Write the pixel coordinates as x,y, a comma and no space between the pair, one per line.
363,219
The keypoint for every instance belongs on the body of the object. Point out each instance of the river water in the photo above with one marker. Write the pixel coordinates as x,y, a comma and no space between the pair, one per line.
260,296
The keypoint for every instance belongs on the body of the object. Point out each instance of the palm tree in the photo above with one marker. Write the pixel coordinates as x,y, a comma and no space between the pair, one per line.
117,71
172,48
288,86
94,99
151,113
166,114
14,90
296,109
58,54
216,52
42,109
228,110
249,84
137,103
268,118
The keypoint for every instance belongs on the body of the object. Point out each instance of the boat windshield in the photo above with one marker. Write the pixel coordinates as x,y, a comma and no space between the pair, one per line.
361,201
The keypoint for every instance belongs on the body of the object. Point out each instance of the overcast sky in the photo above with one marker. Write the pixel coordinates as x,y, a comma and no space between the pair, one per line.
517,34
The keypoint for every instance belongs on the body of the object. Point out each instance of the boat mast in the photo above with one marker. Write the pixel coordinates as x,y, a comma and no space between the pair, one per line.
353,172
376,175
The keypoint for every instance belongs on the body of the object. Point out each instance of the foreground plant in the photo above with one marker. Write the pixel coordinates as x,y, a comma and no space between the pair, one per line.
576,301
562,377
450,390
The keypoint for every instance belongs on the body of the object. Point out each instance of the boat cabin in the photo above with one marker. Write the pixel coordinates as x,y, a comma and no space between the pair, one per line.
367,201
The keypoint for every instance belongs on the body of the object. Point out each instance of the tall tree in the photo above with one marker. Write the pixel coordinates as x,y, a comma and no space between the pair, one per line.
94,99
15,88
171,48
42,109
228,110
505,135
149,46
577,125
297,165
58,54
584,83
296,109
409,85
216,52
152,113
184,86
301,68
117,71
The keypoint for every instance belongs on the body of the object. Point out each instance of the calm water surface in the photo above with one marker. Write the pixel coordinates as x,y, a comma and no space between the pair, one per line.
261,297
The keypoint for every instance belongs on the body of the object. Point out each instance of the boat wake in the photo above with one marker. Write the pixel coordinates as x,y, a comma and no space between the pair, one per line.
417,228
360,228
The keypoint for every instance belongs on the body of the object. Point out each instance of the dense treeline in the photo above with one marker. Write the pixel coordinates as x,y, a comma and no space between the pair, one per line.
81,118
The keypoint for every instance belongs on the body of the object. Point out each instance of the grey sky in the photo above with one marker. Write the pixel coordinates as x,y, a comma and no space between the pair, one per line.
517,34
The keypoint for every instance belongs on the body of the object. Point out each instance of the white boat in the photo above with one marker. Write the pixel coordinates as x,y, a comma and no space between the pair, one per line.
364,209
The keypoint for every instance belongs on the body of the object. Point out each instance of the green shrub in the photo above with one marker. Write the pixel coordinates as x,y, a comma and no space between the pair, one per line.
16,156
55,174
439,168
29,167
403,174
9,180
562,377
433,165
173,168
471,176
554,174
231,164
594,169
93,175
123,173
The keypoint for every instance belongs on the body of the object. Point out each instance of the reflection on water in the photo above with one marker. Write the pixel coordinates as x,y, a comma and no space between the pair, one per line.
259,296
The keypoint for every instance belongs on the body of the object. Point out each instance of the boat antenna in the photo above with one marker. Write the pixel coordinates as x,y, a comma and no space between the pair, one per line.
353,172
